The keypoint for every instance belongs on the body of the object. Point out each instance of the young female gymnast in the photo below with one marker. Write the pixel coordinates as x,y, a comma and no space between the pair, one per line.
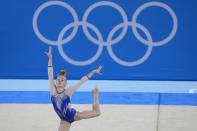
60,97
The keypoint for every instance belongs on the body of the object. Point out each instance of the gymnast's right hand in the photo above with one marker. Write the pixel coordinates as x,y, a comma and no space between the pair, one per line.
49,53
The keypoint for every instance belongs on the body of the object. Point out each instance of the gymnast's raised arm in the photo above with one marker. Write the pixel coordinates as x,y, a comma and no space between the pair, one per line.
50,72
72,89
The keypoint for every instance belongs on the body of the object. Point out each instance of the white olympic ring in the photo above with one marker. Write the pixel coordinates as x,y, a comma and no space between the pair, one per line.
137,62
50,3
81,62
105,3
109,42
174,18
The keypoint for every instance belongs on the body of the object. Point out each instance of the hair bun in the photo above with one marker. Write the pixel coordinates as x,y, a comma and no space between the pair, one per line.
63,72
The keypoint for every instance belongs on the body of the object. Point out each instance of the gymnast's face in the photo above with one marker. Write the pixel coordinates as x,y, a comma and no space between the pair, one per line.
61,81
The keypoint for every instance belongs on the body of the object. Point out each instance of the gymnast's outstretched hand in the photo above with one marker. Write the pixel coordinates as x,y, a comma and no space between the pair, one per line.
98,70
49,53
95,71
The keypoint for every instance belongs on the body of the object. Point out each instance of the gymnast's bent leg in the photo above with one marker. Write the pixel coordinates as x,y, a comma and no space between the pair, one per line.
90,113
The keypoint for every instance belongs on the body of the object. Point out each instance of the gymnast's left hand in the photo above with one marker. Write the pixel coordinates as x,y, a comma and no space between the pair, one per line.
98,70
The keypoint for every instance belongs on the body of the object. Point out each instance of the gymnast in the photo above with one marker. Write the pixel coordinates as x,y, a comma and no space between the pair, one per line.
61,97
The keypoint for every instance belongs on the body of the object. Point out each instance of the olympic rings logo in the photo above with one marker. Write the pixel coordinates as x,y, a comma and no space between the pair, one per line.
109,42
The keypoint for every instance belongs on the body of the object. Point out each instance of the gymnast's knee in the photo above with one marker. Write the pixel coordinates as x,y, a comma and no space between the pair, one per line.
97,113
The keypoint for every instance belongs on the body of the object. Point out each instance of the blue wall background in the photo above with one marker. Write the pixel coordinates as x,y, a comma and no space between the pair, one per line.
22,52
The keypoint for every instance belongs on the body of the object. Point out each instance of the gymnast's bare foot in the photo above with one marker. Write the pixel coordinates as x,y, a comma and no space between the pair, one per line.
96,90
